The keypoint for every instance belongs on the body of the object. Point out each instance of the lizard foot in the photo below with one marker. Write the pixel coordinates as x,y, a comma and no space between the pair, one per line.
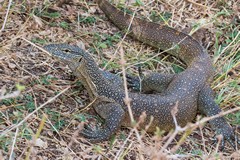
113,115
97,135
229,136
208,106
133,82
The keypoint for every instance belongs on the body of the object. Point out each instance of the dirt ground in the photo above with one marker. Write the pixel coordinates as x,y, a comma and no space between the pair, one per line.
42,104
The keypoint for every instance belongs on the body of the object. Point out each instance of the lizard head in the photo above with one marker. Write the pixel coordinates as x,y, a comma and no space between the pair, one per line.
69,54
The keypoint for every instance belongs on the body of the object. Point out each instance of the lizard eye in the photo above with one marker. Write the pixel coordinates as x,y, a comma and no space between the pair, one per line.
66,50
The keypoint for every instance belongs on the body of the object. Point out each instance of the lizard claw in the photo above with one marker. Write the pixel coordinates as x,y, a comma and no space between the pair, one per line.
97,135
114,115
229,136
233,140
133,82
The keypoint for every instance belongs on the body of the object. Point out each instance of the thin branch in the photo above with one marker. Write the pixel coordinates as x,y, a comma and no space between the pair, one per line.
6,16
193,126
40,48
127,99
14,141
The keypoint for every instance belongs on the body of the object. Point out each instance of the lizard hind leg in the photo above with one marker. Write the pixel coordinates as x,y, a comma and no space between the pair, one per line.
113,115
208,106
154,82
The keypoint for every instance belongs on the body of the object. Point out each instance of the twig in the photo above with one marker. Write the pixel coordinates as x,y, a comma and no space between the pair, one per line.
220,139
25,70
177,128
206,119
40,48
197,4
89,105
127,99
193,126
122,146
6,16
120,43
156,55
200,5
14,141
34,140
203,139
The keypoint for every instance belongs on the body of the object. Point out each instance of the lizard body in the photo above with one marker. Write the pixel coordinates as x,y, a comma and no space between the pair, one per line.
188,89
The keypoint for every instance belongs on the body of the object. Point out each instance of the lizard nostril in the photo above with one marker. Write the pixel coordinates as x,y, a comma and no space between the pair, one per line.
80,59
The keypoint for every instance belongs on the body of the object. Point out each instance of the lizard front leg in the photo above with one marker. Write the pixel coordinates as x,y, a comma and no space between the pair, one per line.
113,78
154,82
113,114
208,106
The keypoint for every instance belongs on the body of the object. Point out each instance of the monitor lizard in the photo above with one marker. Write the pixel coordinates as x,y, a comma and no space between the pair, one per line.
189,89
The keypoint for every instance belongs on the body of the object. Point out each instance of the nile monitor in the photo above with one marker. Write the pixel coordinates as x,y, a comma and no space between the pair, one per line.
189,89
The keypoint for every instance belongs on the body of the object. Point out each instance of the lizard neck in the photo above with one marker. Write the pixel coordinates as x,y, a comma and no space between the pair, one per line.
92,78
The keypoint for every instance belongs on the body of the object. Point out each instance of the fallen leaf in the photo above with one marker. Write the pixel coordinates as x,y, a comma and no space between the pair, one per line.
11,65
38,20
40,143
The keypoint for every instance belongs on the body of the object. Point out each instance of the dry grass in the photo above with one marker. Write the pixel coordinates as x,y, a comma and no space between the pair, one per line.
41,117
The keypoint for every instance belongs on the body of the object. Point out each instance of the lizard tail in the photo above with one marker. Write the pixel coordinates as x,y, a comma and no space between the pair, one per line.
159,36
